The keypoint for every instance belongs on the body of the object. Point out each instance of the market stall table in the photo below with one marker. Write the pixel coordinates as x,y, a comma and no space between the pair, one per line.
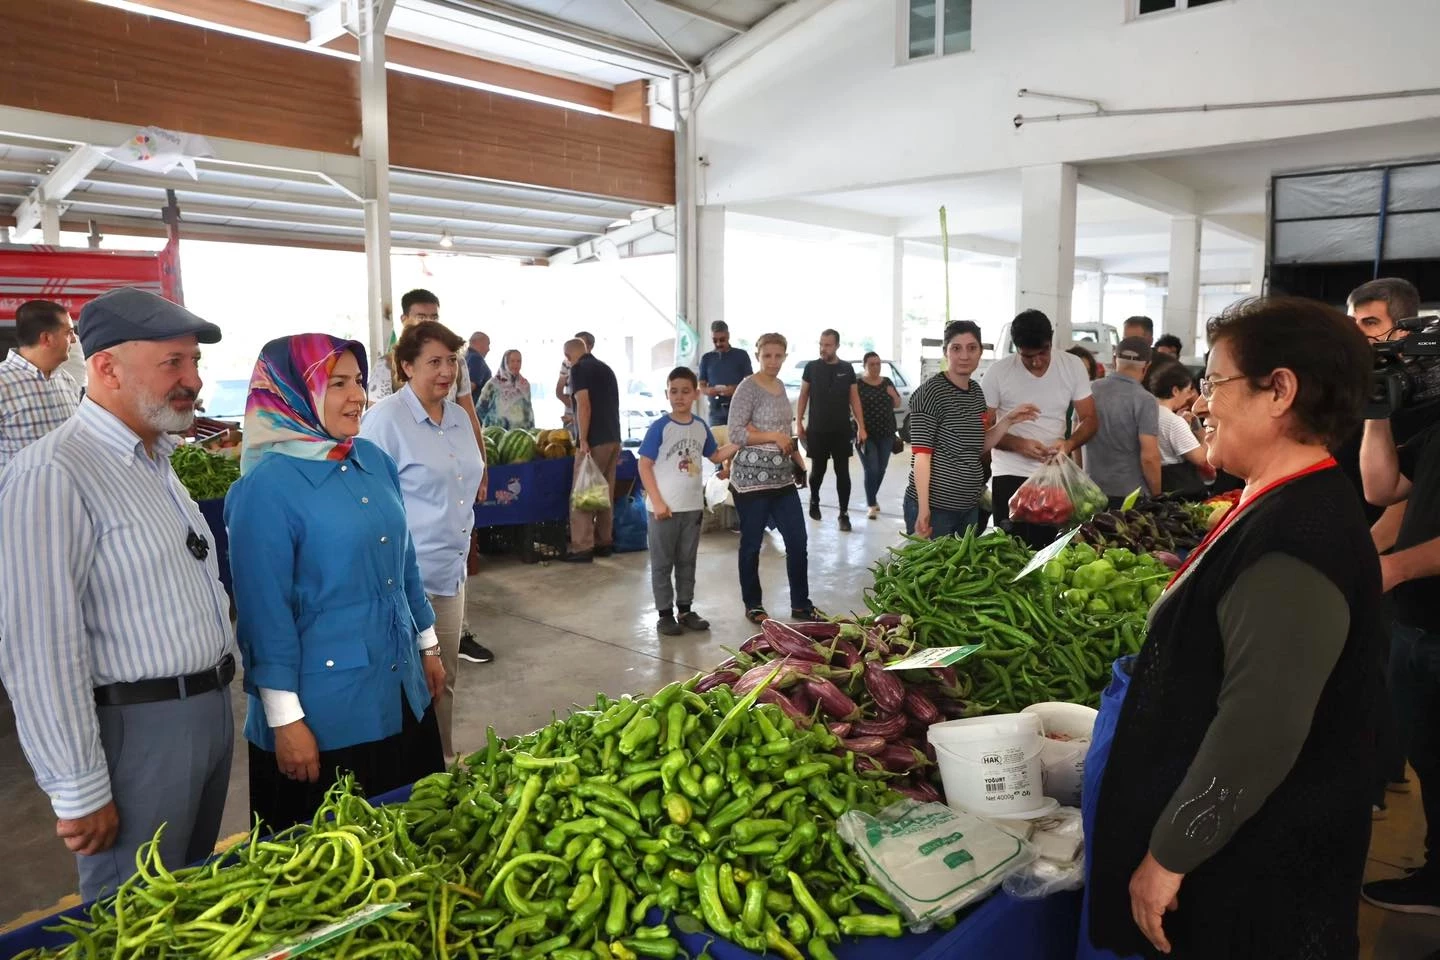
539,491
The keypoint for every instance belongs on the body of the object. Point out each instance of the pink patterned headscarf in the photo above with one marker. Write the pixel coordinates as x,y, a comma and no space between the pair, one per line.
287,395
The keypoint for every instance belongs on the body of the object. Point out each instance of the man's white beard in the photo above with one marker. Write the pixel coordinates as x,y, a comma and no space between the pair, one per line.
162,417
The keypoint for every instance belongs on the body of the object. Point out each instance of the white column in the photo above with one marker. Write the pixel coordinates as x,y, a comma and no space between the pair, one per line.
1010,290
373,17
1182,300
896,249
709,279
1257,270
1046,271
50,223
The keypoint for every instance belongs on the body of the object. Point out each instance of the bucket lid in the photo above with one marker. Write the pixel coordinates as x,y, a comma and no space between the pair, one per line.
971,729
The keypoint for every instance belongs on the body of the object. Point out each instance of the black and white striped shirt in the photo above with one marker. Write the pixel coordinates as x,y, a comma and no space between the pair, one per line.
949,424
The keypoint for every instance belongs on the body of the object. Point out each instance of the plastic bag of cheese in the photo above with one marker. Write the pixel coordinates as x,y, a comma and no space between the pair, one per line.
931,859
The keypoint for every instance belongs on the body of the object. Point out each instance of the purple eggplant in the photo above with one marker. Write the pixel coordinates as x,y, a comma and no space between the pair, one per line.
867,745
817,630
839,728
920,790
922,708
900,758
787,641
730,664
717,679
756,644
789,671
832,700
885,688
802,699
946,675
846,655
771,695
888,726
888,620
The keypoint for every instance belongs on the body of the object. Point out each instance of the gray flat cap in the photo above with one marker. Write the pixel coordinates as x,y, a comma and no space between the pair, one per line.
130,313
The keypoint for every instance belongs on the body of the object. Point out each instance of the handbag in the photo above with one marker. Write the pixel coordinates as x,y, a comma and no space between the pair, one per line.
897,445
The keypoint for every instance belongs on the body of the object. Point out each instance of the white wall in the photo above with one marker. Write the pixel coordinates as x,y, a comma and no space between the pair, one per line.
825,107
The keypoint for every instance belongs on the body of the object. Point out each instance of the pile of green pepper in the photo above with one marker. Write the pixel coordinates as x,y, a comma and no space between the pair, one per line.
1117,581
697,805
1038,644
206,475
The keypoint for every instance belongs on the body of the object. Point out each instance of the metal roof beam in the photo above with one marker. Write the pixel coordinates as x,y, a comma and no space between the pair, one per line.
734,26
56,186
203,189
622,210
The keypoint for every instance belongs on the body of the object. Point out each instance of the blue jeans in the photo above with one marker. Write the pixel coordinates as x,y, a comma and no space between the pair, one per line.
783,510
943,523
875,459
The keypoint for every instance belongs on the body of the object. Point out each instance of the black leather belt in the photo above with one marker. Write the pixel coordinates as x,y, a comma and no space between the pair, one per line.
217,677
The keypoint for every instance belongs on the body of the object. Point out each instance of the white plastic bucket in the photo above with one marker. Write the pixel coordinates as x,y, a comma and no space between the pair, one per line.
1064,760
991,766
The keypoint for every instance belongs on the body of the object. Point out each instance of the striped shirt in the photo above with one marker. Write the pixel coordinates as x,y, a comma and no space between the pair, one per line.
31,404
949,424
99,587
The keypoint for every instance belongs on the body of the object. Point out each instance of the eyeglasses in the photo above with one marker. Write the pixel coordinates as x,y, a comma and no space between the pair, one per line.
198,546
1208,385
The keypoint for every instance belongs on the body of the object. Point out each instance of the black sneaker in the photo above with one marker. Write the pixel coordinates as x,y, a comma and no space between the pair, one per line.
578,558
1416,893
691,620
470,649
814,510
604,551
668,627
844,523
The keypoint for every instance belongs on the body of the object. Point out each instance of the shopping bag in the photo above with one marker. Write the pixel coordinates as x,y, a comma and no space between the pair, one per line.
631,524
1102,737
591,493
1057,495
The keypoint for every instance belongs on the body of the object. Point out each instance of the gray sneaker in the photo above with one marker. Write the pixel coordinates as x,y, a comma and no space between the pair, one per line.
668,627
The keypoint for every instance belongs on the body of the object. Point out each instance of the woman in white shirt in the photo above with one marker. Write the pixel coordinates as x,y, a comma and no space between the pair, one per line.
1184,469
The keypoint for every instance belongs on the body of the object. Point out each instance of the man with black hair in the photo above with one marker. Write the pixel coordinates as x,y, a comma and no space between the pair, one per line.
1168,346
1052,382
36,395
1139,326
721,371
830,392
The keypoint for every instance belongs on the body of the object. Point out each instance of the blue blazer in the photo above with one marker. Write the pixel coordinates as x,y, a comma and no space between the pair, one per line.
328,594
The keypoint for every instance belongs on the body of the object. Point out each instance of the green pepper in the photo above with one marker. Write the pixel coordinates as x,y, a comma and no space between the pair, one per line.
649,806
1082,553
871,925
669,896
819,950
590,910
581,893
712,909
675,727
668,695
712,786
593,854
1153,593
615,718
1095,576
1076,599
666,949
752,911
1098,606
556,839
747,831
653,863
1121,558
641,910
729,892
1055,571
629,826
1125,596
797,926
764,847
617,921
824,927
641,734
523,927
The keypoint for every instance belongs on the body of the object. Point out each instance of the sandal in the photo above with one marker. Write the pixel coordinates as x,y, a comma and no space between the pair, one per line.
757,615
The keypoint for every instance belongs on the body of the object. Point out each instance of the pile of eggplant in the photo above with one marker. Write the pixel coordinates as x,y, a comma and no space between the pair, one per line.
1150,526
834,674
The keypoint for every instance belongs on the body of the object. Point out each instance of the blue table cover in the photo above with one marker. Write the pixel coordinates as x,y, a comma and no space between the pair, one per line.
214,513
999,927
538,491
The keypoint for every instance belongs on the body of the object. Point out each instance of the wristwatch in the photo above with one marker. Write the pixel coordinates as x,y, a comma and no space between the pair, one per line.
431,651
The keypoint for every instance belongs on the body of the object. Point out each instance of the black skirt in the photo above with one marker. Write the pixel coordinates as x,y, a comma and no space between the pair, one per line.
379,767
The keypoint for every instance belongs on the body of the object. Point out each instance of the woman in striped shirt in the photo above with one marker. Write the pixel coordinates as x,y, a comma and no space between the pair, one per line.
948,436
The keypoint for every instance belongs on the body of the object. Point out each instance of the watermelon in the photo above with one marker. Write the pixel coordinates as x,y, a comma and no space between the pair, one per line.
517,447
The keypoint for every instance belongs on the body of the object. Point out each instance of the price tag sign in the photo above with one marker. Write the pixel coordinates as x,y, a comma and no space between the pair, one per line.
329,932
1045,556
935,657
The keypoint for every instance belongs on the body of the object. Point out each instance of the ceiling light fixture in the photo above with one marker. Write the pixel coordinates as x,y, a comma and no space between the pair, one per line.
446,240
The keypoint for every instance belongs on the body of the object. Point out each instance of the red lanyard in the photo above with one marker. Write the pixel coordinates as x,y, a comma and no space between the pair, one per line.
1240,508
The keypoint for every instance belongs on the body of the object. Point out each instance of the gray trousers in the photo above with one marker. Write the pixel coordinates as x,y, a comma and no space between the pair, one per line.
169,763
674,542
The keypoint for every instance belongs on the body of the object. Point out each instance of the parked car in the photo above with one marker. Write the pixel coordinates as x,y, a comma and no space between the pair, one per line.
792,379
643,402
1100,339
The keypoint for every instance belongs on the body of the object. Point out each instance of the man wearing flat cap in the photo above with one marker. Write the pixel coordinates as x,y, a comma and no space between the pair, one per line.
118,650
1124,455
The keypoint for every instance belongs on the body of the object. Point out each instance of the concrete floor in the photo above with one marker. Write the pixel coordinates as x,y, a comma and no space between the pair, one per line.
562,633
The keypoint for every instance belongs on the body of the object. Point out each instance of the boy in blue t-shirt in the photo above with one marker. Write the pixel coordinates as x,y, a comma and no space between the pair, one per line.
670,469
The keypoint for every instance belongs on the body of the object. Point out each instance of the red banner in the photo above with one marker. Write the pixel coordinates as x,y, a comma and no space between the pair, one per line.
73,278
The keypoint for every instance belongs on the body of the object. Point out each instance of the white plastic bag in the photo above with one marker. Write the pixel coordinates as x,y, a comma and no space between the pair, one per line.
717,493
933,860
1058,839
591,492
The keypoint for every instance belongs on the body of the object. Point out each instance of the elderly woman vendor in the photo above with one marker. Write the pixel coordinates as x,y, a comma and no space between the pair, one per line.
341,658
1234,814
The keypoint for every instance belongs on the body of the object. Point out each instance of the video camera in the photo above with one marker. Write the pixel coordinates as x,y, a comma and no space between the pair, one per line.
1406,372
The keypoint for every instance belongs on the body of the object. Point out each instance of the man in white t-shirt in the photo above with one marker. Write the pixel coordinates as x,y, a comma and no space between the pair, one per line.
1053,382
1184,469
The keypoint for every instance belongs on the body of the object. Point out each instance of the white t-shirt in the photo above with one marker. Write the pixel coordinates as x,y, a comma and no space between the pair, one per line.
677,450
1007,384
1176,437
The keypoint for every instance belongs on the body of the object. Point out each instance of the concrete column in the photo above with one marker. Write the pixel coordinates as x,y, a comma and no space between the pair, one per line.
1257,270
709,280
1010,286
896,249
50,223
1182,301
1046,271
373,17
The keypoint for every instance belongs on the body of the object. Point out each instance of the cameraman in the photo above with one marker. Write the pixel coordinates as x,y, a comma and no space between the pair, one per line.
1407,472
